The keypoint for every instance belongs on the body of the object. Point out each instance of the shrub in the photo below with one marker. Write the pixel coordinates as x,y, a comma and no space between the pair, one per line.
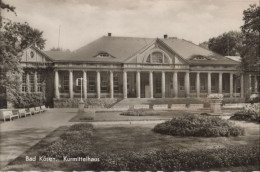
26,100
75,142
178,160
198,126
248,113
140,112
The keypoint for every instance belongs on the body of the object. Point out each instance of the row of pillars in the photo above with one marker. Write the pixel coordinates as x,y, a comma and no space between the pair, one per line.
138,84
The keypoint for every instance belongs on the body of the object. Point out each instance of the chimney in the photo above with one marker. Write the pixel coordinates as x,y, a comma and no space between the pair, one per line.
109,34
165,36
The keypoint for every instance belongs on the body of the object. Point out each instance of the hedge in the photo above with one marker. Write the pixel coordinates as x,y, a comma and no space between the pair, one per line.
178,160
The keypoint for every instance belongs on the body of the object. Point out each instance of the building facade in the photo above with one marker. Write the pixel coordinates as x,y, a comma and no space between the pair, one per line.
123,67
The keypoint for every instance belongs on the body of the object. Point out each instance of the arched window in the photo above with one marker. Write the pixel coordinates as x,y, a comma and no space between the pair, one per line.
157,57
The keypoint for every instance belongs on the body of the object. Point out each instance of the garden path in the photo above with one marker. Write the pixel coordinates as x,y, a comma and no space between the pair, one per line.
20,134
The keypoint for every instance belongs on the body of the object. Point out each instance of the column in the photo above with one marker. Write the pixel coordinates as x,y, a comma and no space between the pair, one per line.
138,88
250,84
187,84
56,84
85,84
111,81
124,85
98,84
28,82
71,83
220,83
209,83
175,84
151,83
242,85
35,82
256,84
163,84
231,84
198,84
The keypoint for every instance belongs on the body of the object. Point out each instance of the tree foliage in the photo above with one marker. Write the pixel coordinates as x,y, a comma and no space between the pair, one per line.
227,44
251,31
14,39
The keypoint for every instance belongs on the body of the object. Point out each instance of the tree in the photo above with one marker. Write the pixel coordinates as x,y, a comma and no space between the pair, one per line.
251,30
14,38
227,44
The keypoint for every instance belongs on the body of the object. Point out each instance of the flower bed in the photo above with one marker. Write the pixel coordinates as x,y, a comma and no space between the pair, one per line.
198,126
140,112
75,142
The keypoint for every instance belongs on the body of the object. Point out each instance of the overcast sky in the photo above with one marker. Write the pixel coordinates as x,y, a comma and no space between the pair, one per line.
83,21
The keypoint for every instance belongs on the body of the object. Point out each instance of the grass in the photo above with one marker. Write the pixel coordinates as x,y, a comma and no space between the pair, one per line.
115,116
134,138
141,112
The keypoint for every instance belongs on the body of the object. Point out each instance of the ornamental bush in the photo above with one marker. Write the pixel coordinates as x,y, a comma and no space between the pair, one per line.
249,112
140,112
176,160
199,126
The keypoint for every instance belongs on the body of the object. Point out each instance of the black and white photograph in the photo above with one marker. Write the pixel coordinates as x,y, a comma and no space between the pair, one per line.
130,85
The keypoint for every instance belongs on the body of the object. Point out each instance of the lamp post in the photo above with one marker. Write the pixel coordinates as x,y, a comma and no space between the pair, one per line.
81,103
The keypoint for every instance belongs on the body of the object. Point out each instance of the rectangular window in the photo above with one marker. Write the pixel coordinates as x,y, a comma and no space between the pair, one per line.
213,84
39,83
24,78
39,78
203,83
181,84
104,84
116,84
31,80
158,85
39,88
24,87
66,83
92,84
192,84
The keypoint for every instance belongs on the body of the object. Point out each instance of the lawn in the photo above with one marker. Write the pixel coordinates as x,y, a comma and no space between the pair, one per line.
137,138
115,116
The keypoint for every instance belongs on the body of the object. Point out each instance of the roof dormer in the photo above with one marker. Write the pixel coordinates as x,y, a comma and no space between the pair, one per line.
103,54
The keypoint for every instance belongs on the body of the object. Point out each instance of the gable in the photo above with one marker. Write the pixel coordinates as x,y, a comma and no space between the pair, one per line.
34,55
147,55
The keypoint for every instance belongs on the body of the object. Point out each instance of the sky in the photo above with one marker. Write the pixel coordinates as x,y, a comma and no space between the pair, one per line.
83,21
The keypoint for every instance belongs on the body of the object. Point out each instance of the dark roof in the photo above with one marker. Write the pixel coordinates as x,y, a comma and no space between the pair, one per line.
121,48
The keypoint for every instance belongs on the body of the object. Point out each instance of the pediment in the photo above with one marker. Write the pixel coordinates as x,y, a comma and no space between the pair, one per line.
33,54
157,53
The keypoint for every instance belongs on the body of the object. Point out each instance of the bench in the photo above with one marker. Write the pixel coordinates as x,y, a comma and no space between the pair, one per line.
160,107
141,106
196,106
178,106
32,110
23,112
9,114
43,108
37,110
